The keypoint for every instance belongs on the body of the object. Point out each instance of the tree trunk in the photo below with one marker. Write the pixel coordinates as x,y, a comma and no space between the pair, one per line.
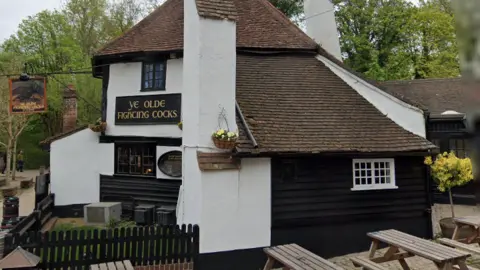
451,202
8,170
14,158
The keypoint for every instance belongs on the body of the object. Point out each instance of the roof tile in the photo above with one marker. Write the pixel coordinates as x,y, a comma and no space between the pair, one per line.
259,25
217,9
294,103
438,95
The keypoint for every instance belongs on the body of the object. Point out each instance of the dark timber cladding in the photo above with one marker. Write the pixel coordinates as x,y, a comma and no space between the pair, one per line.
315,204
160,192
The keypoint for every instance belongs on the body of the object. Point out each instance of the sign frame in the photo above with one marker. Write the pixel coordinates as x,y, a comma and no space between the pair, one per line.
44,97
167,99
164,157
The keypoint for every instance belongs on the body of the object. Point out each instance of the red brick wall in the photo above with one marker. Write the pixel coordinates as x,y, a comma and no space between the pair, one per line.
177,266
69,109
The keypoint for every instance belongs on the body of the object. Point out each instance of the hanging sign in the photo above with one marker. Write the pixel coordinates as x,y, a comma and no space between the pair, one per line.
170,163
148,110
28,97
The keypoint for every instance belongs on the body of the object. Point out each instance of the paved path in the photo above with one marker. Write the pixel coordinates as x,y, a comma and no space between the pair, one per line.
26,196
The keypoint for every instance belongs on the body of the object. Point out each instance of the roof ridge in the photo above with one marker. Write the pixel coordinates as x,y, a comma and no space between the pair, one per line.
277,12
135,26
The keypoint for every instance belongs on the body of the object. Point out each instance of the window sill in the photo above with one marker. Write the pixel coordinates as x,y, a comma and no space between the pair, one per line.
153,89
373,188
135,176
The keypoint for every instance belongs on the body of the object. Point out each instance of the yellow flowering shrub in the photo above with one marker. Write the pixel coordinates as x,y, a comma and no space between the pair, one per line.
450,171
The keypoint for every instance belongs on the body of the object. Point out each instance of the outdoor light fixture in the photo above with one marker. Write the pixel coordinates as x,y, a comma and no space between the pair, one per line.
24,76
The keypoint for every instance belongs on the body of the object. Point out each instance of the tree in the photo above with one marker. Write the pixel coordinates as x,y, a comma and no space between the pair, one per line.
372,34
11,125
450,171
291,8
394,39
432,45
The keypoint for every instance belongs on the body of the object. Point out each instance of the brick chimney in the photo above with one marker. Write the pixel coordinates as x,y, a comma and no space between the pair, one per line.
69,108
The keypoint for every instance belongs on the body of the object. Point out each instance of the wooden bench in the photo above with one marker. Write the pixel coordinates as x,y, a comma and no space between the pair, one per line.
366,264
294,257
120,265
459,245
402,245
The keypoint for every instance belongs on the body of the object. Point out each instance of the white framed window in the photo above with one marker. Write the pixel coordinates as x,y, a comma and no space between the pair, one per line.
370,174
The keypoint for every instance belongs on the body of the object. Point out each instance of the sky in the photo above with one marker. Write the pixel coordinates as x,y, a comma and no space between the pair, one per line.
13,12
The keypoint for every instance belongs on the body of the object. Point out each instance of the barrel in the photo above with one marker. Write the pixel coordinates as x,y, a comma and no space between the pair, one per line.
10,208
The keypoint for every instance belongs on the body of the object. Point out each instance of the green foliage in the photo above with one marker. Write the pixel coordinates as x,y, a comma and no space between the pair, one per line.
396,40
450,171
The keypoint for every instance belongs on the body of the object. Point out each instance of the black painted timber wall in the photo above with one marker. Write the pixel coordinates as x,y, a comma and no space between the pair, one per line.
160,192
315,208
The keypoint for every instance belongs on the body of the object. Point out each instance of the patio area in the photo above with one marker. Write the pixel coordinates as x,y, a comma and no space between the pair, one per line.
26,196
415,263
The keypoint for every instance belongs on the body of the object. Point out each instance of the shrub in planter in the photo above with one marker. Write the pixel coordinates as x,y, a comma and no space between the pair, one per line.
99,126
449,171
224,139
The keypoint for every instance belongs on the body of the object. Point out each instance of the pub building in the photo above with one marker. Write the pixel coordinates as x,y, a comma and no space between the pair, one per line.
451,103
324,155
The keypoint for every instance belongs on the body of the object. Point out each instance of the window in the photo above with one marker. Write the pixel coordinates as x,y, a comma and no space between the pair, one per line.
154,76
459,147
373,174
135,159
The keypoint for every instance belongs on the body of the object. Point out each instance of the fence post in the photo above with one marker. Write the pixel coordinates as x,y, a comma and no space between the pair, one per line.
196,247
7,244
38,220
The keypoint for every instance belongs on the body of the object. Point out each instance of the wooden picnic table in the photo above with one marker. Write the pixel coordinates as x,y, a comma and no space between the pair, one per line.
402,245
473,222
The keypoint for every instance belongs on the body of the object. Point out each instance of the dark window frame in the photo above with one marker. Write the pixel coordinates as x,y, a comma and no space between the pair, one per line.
162,87
152,147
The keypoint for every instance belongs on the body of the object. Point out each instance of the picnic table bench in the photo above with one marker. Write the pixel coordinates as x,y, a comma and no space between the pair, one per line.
120,265
402,246
472,222
294,257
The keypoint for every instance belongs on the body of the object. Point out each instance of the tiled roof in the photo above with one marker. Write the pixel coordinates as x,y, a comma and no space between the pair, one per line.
217,9
259,25
438,95
294,103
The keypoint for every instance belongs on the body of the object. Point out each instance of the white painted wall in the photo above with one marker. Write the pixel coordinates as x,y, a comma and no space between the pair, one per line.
321,25
236,207
227,201
75,164
125,80
405,115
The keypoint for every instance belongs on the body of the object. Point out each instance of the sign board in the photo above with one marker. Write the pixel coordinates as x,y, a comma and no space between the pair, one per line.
148,110
170,163
28,97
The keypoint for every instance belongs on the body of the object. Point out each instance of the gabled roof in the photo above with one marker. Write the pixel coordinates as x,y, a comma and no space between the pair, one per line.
438,95
19,258
295,104
259,25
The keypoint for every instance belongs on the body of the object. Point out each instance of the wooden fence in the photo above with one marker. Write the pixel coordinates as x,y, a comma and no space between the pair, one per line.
78,249
38,218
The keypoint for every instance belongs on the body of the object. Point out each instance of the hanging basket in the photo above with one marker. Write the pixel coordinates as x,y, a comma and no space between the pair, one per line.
222,144
98,127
